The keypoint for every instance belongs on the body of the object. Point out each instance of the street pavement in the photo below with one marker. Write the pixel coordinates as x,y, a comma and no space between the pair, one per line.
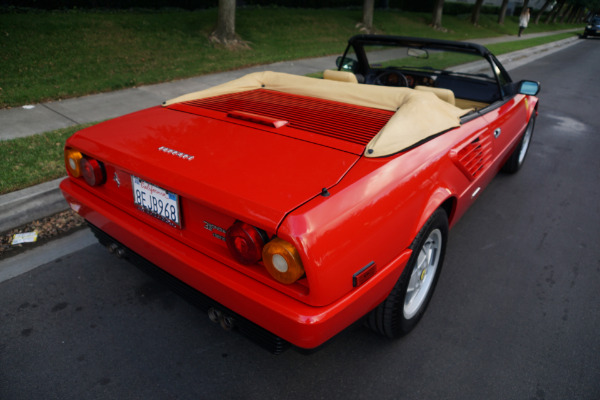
39,201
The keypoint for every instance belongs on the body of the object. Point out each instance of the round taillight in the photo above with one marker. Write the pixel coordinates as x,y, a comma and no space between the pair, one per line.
92,171
72,160
283,261
245,242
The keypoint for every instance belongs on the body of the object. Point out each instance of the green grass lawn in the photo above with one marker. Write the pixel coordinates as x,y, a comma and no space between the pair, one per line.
56,55
35,159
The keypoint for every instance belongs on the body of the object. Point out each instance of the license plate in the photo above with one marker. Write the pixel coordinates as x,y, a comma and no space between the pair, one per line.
156,201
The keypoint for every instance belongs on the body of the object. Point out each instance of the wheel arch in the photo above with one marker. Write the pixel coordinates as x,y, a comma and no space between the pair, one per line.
441,198
532,110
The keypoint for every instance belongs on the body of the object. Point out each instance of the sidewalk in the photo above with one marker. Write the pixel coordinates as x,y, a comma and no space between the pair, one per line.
43,200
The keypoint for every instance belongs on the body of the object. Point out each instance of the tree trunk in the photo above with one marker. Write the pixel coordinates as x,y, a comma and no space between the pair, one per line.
555,11
367,19
539,14
567,11
476,12
502,14
573,14
580,15
225,31
438,9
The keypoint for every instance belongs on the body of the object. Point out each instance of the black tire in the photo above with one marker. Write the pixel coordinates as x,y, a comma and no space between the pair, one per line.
517,158
397,315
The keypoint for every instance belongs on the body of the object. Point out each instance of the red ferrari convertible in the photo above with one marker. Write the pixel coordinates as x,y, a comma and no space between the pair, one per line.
291,207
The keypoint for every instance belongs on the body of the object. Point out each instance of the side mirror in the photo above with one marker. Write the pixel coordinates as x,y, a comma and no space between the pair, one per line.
530,88
346,64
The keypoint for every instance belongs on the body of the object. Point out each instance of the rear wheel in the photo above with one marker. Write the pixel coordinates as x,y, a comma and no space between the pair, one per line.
517,158
403,308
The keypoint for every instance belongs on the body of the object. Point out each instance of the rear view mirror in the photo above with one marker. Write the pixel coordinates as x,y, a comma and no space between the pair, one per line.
530,88
346,64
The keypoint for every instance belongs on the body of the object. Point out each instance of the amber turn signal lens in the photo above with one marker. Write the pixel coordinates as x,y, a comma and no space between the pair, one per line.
72,159
283,261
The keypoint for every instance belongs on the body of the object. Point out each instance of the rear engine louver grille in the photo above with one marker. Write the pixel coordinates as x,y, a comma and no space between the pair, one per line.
354,124
475,157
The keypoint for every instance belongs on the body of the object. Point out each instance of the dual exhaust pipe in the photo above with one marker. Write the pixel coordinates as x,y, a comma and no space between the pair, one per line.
226,321
117,250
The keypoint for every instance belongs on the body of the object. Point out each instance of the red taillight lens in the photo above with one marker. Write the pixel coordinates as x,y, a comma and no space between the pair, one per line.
245,242
92,171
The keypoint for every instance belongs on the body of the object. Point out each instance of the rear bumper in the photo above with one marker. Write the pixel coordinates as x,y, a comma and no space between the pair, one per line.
293,321
259,335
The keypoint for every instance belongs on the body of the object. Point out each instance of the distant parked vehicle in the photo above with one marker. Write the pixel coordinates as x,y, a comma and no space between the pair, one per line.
592,28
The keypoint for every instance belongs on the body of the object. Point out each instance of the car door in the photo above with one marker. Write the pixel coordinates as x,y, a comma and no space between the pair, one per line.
506,118
507,122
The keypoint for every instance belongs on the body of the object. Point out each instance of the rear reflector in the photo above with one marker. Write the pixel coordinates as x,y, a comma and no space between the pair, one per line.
363,275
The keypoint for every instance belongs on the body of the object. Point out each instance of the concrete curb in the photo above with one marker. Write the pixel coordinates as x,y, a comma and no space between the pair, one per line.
521,57
31,259
23,206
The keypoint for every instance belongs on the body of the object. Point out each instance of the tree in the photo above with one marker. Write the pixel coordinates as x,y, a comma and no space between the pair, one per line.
367,18
502,13
542,10
224,33
593,6
567,11
438,8
476,12
575,14
555,11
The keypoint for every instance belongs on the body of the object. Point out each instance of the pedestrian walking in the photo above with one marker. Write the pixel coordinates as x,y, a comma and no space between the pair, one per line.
523,20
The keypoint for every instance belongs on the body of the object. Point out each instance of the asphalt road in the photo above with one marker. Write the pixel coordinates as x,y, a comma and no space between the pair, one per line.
516,314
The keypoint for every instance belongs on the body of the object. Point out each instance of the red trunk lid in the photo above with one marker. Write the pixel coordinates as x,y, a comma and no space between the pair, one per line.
248,173
248,169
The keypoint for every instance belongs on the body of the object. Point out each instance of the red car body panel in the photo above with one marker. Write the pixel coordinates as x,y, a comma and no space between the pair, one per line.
234,166
274,178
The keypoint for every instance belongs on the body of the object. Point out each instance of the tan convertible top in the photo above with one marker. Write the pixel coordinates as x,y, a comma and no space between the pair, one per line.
419,114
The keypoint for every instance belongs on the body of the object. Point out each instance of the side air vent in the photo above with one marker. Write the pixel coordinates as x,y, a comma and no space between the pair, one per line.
473,158
347,122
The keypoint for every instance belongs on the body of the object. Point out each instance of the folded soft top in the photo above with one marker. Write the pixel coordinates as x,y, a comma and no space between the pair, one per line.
418,115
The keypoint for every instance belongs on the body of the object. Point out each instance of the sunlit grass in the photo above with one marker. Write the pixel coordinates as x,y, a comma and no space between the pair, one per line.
34,159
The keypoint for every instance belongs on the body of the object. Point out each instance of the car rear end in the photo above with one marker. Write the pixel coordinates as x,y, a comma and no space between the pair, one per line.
200,190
